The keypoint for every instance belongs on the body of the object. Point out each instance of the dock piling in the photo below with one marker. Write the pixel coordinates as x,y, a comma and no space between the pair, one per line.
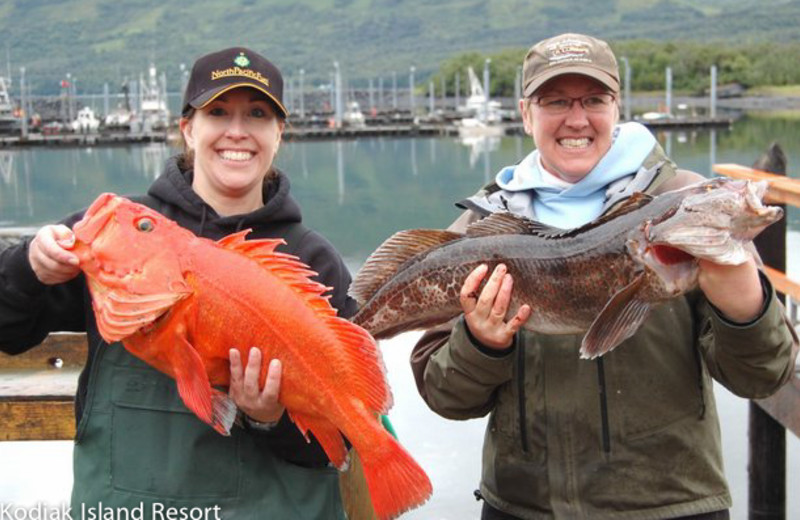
767,437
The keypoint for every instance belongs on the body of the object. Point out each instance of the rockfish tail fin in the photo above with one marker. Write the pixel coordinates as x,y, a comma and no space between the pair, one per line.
396,482
398,249
618,321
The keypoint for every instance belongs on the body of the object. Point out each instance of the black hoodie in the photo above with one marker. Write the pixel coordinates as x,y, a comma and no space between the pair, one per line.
30,310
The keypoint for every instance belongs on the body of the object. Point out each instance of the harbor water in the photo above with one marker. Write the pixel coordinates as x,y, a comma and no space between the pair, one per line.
357,193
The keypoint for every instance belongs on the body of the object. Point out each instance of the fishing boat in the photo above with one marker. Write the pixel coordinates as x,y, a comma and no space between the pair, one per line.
153,101
86,121
10,121
353,116
121,117
481,116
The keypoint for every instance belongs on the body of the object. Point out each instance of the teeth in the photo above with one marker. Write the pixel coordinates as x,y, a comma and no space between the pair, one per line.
575,143
235,155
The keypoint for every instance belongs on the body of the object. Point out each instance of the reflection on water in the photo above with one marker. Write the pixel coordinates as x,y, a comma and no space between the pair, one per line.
480,146
355,192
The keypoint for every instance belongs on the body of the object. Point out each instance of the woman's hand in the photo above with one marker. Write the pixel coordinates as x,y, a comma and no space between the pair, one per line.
733,289
48,255
485,314
261,405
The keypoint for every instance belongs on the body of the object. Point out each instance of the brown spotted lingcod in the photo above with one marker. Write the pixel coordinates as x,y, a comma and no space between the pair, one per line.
601,278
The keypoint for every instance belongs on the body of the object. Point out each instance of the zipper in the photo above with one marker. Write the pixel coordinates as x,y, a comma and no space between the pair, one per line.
601,380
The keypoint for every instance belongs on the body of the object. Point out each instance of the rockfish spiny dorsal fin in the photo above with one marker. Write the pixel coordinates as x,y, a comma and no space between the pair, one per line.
287,267
365,366
386,261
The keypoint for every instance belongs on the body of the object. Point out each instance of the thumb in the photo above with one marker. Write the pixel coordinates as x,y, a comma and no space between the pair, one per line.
64,236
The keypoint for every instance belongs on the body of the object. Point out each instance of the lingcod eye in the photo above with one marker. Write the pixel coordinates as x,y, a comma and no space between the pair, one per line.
145,224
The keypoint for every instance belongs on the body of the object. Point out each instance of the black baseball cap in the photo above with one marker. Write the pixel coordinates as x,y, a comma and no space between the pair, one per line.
219,72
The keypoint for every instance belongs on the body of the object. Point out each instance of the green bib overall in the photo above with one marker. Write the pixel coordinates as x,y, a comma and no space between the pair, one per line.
138,446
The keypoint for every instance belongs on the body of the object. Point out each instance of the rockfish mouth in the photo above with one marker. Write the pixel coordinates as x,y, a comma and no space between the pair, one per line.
96,217
601,278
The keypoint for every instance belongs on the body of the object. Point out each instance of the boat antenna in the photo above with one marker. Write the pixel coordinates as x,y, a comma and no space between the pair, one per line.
8,62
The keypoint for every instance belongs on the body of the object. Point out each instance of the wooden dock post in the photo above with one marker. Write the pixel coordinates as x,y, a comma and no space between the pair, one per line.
767,437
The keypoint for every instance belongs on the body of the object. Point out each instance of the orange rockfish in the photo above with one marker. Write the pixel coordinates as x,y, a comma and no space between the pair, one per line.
180,302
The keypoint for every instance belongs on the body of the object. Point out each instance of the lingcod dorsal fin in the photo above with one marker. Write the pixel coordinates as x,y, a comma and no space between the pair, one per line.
502,223
631,204
398,249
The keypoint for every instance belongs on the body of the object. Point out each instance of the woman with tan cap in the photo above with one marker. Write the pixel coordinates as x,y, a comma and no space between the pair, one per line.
635,433
137,447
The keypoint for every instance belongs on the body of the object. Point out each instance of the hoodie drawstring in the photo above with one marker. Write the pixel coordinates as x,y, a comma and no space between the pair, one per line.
203,220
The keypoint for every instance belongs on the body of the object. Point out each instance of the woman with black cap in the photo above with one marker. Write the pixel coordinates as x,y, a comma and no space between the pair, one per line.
137,448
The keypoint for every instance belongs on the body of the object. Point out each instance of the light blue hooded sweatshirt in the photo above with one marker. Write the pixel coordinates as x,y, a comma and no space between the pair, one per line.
582,202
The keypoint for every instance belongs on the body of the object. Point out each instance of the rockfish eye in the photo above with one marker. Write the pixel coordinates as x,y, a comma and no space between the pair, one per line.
145,224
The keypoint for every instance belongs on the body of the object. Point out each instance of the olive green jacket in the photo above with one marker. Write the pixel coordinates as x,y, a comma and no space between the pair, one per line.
634,434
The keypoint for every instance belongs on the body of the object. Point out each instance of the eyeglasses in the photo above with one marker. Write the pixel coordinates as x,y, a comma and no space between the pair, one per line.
562,104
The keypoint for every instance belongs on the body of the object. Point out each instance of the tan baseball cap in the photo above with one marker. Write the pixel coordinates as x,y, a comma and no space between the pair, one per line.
569,54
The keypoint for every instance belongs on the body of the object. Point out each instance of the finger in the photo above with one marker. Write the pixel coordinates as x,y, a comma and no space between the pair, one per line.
519,319
53,239
468,293
489,292
236,369
272,385
63,236
503,298
48,271
252,372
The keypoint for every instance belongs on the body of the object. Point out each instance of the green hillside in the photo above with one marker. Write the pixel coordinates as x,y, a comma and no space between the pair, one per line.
108,40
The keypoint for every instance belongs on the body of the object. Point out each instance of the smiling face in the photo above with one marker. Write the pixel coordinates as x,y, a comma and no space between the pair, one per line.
573,142
234,139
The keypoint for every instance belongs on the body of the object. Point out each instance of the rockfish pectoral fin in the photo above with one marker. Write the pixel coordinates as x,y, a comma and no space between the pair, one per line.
209,404
618,321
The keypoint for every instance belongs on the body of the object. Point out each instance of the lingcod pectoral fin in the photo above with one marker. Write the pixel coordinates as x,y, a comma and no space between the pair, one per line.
619,320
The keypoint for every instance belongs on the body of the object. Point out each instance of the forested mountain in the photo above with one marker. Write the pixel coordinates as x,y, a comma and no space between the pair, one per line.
99,41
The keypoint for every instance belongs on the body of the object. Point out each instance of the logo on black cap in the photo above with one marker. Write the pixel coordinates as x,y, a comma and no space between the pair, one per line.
241,60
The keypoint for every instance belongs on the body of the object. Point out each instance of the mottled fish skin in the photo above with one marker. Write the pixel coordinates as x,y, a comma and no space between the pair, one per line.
569,277
548,274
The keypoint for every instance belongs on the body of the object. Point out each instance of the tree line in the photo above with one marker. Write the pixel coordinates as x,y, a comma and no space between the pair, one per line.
749,64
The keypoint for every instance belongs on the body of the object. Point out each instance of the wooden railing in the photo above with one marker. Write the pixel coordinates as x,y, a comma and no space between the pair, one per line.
37,389
770,418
